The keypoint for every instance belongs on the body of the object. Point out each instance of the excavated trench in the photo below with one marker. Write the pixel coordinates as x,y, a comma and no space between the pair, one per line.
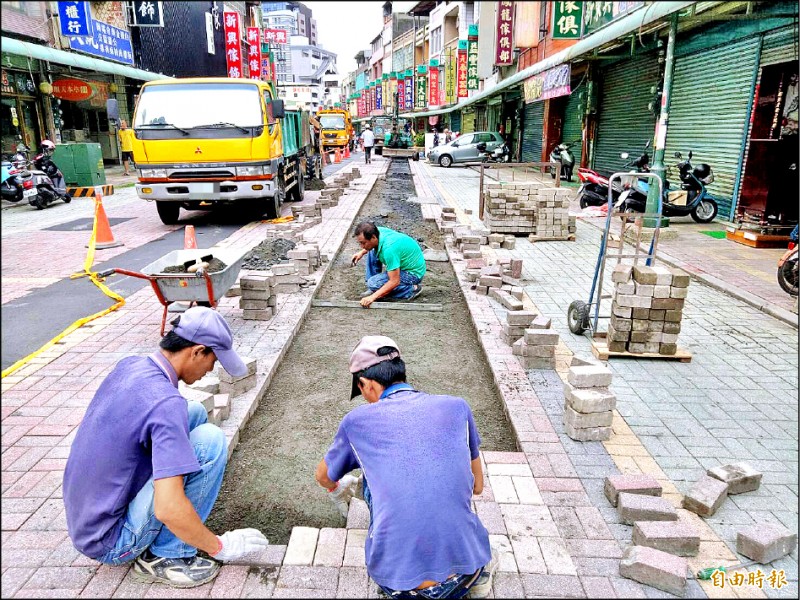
269,483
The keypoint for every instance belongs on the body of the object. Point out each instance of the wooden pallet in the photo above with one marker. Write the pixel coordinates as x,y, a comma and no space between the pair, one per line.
601,351
755,239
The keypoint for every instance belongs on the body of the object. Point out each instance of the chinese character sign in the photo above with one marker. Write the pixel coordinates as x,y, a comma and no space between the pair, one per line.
75,19
598,14
567,20
379,96
105,41
422,91
401,94
409,90
276,36
548,84
472,64
148,14
254,52
450,77
505,28
233,46
463,72
433,86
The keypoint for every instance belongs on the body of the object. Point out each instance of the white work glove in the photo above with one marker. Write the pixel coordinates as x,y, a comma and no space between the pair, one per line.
345,489
239,543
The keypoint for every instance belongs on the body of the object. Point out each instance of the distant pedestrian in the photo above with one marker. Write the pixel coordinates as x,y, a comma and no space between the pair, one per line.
126,144
368,140
448,137
145,467
435,136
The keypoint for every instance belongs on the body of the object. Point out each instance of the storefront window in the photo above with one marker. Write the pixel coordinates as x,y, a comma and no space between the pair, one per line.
10,132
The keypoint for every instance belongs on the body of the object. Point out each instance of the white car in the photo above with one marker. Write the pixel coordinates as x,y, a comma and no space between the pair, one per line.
464,148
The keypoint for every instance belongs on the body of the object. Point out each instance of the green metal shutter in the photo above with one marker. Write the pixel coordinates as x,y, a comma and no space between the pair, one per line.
480,118
455,120
779,46
532,129
708,113
625,123
573,125
467,121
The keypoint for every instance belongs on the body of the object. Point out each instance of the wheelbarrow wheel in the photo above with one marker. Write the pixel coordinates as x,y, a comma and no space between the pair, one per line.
578,317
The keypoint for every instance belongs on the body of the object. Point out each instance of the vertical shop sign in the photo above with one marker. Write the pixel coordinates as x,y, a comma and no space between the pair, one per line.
505,28
233,44
567,20
409,89
379,96
401,93
395,97
463,69
254,52
433,83
450,77
472,59
75,19
148,14
422,87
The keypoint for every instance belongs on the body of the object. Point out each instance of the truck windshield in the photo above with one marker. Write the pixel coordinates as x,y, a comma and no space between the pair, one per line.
187,105
332,122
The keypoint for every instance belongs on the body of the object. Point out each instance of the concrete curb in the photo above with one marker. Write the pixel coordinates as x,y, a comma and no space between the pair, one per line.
756,302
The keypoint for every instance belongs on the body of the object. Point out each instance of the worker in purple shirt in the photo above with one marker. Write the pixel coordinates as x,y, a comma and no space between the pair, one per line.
145,467
420,465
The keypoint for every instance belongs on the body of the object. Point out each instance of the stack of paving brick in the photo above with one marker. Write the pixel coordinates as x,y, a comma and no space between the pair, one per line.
329,197
207,392
305,258
646,310
286,279
258,299
309,211
448,219
510,207
588,403
236,386
537,346
470,245
552,219
517,321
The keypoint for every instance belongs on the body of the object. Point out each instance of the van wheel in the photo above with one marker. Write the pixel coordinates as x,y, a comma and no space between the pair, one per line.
445,161
168,212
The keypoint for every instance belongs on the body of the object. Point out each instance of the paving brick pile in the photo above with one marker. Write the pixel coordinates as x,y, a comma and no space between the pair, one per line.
520,208
468,240
305,258
236,386
517,321
646,309
214,391
258,299
588,403
537,346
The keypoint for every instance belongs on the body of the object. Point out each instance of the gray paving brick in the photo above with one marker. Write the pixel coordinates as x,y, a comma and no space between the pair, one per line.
553,586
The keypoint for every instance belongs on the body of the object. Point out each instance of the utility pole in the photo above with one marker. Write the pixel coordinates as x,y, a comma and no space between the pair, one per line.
661,129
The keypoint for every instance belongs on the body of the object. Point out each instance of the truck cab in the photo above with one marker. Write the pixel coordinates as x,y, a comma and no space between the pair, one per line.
336,128
204,142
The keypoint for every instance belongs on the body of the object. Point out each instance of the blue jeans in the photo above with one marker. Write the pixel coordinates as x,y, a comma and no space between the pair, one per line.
376,278
456,586
141,530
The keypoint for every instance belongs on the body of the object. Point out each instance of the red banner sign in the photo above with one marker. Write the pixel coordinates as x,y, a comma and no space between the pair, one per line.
276,36
433,86
74,90
461,81
254,52
505,28
401,94
362,109
233,46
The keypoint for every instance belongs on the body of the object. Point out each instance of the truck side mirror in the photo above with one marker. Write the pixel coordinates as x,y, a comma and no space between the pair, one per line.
112,108
278,110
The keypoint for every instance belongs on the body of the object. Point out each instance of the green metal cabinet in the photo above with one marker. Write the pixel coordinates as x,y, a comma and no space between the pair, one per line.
81,164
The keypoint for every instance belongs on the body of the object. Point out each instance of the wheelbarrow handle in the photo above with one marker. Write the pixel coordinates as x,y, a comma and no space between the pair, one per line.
106,273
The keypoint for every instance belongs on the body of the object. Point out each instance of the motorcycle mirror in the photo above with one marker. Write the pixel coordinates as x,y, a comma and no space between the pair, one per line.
678,155
624,155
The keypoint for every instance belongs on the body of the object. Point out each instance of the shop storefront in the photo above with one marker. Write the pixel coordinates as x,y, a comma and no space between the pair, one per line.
22,116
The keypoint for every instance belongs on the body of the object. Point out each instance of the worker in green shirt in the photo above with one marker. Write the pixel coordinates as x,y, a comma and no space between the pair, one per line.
395,265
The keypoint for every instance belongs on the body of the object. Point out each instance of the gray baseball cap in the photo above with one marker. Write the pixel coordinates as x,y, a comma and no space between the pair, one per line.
207,327
365,355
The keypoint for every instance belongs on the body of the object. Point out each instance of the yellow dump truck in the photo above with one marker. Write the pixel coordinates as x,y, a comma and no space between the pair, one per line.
200,143
337,128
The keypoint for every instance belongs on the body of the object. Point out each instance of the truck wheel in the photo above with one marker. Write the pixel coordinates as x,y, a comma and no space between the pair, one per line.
297,192
274,203
168,211
379,150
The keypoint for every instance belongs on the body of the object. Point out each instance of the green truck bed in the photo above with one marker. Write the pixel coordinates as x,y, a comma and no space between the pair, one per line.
296,136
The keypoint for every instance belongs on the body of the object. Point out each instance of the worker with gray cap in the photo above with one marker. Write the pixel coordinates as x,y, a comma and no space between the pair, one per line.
419,461
145,467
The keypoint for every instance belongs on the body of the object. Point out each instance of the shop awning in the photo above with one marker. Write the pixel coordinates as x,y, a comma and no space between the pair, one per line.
73,59
627,24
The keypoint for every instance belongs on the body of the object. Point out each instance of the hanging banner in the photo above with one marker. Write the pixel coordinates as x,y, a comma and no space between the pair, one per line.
401,94
450,77
233,44
472,59
422,90
276,36
75,19
567,20
433,83
361,107
505,27
254,52
547,84
409,89
379,96
462,75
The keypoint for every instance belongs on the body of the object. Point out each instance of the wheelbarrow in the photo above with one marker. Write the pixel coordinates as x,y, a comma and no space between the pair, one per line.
201,286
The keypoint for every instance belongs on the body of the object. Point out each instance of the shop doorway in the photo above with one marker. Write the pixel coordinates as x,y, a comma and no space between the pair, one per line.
21,124
770,186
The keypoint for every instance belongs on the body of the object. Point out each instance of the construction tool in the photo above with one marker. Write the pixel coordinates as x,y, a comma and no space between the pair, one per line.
705,574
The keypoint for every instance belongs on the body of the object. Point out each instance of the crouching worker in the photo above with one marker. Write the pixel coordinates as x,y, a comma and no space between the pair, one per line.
418,455
398,253
145,468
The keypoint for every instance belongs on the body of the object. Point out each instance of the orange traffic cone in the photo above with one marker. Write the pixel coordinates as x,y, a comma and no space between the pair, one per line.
347,151
189,239
324,156
104,238
337,158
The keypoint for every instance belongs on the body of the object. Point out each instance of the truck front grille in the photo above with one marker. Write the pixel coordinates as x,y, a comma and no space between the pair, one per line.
221,174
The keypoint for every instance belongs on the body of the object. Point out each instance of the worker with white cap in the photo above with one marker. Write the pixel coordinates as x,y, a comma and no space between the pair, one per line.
368,141
419,461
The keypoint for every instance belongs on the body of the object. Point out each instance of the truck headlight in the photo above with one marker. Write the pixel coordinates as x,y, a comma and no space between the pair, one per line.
249,171
153,173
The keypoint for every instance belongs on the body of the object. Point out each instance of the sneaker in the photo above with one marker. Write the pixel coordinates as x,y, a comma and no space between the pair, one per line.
483,585
417,291
366,293
175,572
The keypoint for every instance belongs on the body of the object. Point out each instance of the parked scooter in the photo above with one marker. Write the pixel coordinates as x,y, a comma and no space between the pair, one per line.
500,154
48,179
594,187
563,153
788,267
17,182
692,199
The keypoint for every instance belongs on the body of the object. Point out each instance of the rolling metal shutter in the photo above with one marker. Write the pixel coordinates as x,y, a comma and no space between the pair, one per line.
625,123
532,128
708,113
455,120
480,118
467,121
573,125
779,46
